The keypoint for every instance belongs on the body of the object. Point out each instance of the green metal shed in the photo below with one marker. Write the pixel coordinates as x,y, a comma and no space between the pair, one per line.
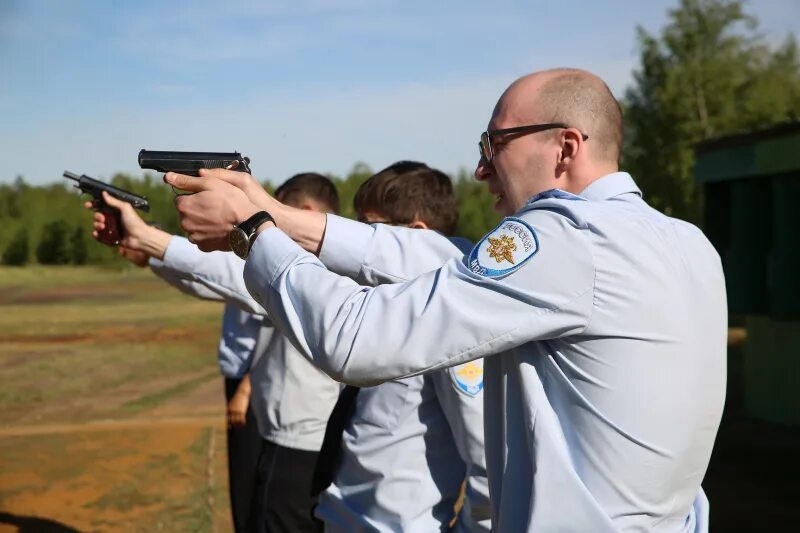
751,185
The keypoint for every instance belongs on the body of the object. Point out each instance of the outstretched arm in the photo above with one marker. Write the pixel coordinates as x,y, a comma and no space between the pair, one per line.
371,254
140,238
363,335
379,253
212,276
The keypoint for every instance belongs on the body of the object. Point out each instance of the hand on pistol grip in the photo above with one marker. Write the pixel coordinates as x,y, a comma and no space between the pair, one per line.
113,232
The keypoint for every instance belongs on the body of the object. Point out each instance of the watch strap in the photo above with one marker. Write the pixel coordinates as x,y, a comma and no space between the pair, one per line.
250,225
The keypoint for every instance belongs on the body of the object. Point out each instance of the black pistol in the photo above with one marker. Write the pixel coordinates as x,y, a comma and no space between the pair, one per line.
113,231
189,163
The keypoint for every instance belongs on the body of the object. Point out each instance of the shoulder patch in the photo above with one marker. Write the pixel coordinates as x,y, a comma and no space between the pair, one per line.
468,378
505,249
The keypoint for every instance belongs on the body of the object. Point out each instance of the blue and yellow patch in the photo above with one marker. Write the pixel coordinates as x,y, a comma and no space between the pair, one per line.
504,250
468,378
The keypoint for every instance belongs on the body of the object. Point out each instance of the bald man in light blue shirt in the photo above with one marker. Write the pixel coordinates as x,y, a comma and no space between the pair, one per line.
603,322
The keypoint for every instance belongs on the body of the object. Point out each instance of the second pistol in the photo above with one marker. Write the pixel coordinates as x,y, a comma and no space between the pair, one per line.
114,230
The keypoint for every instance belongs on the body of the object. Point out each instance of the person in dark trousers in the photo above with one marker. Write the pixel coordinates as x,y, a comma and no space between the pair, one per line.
278,402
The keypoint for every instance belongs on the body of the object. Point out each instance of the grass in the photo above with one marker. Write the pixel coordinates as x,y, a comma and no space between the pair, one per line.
68,335
149,401
79,344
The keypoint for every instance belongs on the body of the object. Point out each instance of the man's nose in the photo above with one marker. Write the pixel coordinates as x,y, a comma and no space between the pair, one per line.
483,170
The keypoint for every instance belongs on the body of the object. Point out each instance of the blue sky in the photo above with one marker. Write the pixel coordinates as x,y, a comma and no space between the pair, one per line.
299,85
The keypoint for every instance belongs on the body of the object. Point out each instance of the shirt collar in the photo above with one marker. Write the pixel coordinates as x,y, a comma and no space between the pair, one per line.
609,186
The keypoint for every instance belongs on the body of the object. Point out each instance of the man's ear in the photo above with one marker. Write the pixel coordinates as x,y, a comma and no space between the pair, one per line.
417,224
571,144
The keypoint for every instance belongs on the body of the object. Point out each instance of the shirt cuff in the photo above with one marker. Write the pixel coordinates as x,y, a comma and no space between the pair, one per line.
268,257
344,247
181,255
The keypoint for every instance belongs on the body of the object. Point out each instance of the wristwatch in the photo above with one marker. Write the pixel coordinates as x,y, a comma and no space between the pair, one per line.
242,235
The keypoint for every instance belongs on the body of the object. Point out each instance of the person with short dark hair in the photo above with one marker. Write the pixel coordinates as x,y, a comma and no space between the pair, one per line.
431,426
292,399
278,402
413,192
309,190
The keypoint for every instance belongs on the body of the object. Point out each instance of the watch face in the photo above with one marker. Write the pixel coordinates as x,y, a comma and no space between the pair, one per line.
239,242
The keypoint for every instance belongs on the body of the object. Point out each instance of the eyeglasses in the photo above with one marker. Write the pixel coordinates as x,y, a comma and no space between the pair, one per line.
485,144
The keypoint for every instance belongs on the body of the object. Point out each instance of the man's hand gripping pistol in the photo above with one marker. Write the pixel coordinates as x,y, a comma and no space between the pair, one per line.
190,163
114,230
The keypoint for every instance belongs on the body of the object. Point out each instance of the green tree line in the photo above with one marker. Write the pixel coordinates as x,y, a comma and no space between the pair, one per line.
707,73
49,225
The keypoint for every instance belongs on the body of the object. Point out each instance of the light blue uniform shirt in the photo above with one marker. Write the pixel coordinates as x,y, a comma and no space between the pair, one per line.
240,328
291,399
411,443
605,337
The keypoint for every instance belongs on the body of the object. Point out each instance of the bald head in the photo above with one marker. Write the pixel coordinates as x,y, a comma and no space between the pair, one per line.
572,96
523,164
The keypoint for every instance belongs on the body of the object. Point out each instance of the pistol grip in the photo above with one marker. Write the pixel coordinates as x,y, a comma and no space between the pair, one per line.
113,232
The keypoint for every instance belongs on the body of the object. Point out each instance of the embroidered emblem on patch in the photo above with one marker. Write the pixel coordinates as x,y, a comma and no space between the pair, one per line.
505,249
502,248
468,378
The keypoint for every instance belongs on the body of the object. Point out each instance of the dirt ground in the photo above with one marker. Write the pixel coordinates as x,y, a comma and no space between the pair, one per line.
164,469
111,405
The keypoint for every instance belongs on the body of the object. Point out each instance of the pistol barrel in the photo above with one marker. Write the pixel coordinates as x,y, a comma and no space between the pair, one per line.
190,163
96,188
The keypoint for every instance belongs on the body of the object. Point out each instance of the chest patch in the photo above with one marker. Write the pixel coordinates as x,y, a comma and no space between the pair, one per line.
468,378
505,249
